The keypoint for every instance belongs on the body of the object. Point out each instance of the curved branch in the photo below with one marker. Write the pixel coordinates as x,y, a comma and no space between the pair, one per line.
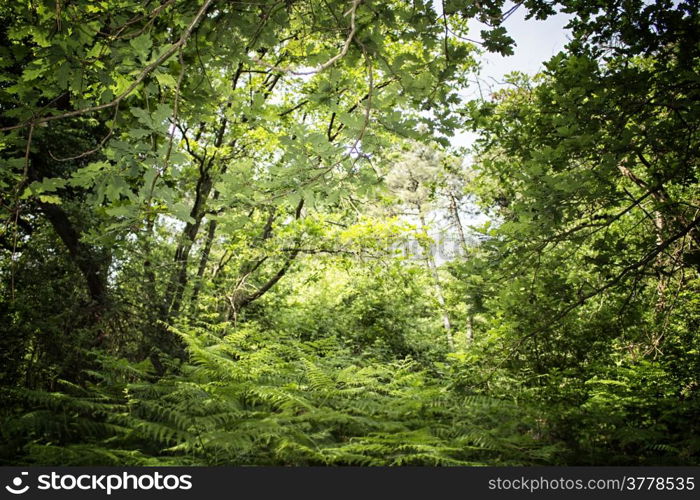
330,62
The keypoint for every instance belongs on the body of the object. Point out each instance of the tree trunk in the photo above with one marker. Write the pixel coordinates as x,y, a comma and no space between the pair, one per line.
92,266
458,222
438,287
203,261
178,279
470,329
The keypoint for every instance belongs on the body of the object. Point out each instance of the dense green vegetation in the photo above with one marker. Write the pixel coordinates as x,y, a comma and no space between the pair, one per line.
218,223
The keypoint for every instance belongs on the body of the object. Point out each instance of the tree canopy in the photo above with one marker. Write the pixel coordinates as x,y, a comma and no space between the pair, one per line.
219,241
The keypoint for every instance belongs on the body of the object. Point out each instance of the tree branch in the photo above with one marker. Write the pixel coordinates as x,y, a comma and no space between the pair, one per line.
141,76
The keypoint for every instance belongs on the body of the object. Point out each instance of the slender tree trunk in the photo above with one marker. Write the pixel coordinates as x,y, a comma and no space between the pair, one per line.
438,287
203,261
454,209
660,264
470,329
178,279
91,266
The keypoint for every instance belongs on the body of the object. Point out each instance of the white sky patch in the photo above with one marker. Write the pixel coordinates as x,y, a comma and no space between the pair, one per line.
536,41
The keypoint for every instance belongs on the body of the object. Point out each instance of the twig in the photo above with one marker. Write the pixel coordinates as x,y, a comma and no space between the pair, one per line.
175,111
95,149
330,62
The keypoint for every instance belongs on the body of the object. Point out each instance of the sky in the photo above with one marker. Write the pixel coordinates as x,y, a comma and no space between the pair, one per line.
535,43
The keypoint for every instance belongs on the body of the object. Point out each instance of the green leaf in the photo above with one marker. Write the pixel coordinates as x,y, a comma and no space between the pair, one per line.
50,198
161,114
85,176
142,45
166,80
181,211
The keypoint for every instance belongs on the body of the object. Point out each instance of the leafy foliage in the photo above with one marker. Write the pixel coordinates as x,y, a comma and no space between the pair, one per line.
219,224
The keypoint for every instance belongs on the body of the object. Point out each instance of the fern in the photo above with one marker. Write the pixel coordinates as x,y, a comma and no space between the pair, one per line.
246,401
